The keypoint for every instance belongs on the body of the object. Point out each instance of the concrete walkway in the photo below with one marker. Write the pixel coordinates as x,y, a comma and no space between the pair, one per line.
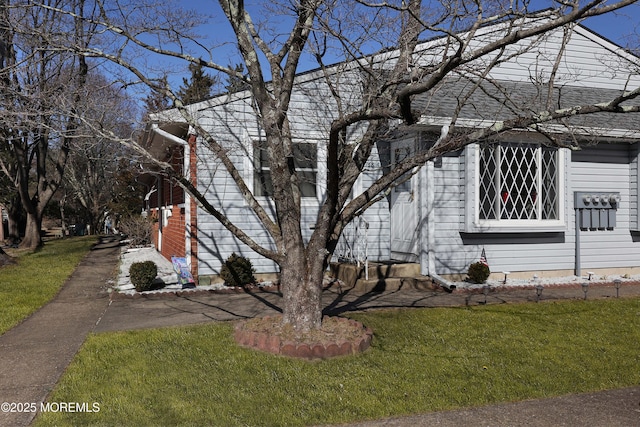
34,354
615,408
158,310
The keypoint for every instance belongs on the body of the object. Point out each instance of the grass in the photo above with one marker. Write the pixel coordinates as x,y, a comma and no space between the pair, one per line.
37,277
421,360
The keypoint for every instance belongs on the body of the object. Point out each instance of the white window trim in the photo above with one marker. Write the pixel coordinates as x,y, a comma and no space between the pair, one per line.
473,223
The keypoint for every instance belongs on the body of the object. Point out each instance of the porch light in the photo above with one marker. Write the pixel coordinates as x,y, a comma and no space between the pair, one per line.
617,283
539,289
585,289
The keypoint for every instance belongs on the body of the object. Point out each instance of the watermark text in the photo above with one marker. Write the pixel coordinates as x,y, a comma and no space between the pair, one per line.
20,407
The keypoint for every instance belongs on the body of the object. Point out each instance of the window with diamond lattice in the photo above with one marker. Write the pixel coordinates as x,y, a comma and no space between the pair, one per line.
518,181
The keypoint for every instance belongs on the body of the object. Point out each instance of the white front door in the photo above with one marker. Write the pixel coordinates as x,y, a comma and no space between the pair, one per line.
404,223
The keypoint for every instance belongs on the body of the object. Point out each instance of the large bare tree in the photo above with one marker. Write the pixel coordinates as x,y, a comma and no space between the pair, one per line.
95,161
371,93
39,87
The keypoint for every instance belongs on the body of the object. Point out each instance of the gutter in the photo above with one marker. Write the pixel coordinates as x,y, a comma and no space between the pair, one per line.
156,129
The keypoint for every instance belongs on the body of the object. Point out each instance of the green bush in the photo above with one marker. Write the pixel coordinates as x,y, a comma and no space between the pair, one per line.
237,271
142,275
478,272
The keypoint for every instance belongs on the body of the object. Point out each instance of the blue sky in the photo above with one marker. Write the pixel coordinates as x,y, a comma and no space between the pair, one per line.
618,27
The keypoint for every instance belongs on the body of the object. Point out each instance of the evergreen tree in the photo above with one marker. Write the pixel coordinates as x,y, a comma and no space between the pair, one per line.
157,100
198,88
235,83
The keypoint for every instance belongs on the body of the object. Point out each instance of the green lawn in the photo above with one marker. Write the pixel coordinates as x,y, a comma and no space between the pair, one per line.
37,277
421,360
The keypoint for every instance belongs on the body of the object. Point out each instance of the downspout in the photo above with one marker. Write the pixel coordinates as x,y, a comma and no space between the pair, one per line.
428,228
442,282
160,211
431,235
577,270
189,209
186,168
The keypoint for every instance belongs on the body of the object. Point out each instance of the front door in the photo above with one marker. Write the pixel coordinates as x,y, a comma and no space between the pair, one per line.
404,224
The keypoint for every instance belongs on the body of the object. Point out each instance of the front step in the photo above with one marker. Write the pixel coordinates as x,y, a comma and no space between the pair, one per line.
382,277
384,271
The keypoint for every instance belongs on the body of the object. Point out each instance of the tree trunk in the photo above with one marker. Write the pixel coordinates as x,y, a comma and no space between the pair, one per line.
13,226
5,259
301,284
63,219
14,219
32,236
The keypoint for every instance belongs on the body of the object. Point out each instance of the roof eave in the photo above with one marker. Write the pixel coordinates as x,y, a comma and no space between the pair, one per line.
628,135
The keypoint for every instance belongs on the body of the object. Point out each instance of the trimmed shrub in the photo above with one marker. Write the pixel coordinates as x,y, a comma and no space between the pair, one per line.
478,272
237,271
142,275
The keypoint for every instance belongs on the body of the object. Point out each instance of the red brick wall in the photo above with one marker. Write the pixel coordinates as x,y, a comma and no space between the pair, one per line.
174,231
173,234
154,233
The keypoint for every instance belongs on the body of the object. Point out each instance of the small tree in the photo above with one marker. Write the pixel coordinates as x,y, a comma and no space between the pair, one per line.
237,81
198,87
157,99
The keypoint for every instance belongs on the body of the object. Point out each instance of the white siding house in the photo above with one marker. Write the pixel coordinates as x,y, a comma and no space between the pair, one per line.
512,196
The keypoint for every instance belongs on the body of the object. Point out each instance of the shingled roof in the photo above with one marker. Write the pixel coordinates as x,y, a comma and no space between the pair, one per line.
501,100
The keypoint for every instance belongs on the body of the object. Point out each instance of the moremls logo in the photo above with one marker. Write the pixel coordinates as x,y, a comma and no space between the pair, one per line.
69,407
